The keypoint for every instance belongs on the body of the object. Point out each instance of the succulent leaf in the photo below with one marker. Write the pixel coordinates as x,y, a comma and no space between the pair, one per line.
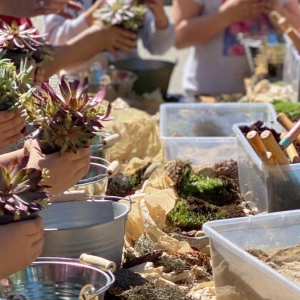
21,189
68,122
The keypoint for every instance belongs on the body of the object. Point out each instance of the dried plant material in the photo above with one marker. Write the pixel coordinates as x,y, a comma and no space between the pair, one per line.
144,245
150,291
172,264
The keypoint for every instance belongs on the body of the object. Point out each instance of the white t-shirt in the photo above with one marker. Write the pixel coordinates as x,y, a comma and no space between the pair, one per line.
217,66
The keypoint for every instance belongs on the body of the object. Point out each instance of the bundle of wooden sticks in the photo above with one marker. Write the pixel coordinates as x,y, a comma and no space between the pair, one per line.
270,151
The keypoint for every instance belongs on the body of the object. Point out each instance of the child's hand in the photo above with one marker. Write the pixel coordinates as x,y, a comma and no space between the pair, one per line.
157,8
241,10
20,244
65,170
11,125
119,39
271,5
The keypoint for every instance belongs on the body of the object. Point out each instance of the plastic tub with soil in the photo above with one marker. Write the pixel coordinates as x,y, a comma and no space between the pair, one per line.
248,255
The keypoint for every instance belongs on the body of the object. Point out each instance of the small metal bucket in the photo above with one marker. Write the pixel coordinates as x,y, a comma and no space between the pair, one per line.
95,226
95,181
59,278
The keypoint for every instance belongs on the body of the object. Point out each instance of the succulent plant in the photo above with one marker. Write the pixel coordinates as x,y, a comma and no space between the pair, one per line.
15,87
13,37
22,192
126,13
67,121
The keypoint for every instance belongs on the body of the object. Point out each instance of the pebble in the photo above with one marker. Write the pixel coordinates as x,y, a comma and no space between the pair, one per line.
199,233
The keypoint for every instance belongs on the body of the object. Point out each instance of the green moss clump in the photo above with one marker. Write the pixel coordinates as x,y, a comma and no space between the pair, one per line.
292,110
192,217
213,190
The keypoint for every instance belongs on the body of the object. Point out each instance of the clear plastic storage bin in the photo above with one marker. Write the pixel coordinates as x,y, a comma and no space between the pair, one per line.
271,188
202,133
291,70
240,276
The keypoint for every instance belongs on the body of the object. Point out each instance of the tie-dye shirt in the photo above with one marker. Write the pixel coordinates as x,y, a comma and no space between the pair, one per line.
220,65
258,26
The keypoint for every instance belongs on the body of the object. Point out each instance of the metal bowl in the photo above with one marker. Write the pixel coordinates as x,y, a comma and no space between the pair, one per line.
56,278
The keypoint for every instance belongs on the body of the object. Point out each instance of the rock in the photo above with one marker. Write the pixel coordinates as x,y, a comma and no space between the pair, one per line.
195,242
206,250
251,204
200,233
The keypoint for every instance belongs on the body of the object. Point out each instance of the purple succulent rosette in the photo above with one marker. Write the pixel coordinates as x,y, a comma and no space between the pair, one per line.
125,13
22,193
67,121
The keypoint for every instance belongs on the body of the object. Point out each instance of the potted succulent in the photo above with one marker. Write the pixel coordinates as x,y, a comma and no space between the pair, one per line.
67,121
18,43
128,14
15,86
22,193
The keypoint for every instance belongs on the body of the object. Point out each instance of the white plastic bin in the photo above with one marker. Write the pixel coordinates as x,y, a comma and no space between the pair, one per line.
291,70
240,276
202,133
271,188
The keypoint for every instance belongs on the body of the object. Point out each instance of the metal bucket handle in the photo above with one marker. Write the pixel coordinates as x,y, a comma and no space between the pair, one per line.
106,142
82,196
101,161
90,260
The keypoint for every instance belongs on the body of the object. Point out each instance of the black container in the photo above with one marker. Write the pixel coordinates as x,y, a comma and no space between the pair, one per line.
152,74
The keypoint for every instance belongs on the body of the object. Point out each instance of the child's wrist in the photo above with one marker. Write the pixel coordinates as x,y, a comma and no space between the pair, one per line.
161,20
226,15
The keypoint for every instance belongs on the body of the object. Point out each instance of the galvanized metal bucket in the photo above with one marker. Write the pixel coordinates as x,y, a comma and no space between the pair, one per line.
94,226
95,181
59,278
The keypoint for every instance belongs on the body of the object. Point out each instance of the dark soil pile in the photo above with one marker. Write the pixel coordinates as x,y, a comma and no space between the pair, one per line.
259,127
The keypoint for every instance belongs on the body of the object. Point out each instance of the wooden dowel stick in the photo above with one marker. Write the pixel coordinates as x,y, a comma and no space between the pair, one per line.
272,146
286,123
291,151
291,136
260,149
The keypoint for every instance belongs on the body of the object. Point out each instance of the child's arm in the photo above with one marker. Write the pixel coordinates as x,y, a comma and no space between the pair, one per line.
60,29
157,40
86,45
194,29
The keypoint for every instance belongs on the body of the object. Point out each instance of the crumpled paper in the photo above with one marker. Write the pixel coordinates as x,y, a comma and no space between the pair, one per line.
148,215
139,134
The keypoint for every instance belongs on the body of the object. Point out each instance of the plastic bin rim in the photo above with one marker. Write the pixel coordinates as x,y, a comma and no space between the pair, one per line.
214,139
164,106
209,231
213,105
